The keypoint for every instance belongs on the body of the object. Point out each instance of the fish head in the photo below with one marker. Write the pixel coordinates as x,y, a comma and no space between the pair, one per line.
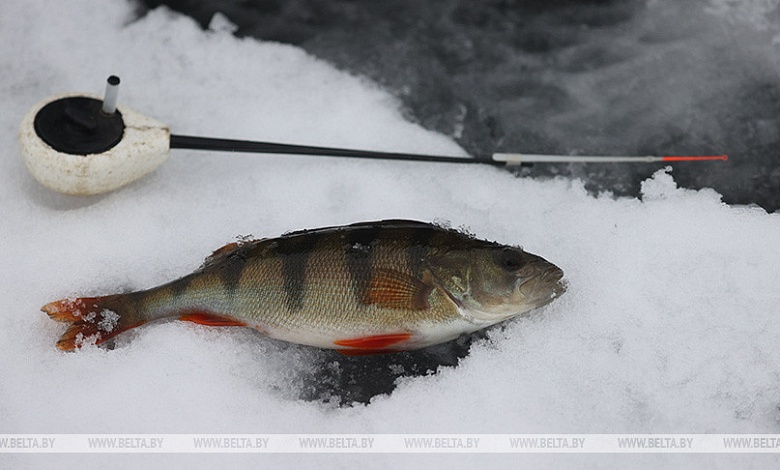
497,282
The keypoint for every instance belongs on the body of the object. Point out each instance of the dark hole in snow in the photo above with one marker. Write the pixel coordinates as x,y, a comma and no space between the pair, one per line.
348,380
619,77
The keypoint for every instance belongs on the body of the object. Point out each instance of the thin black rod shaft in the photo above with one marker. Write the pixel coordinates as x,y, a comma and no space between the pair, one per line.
228,145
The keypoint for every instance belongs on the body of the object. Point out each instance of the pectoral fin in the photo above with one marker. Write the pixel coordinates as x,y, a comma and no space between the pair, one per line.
393,289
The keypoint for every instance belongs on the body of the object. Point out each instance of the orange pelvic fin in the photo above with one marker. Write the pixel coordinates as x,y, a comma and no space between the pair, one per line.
393,289
93,320
378,344
366,352
210,319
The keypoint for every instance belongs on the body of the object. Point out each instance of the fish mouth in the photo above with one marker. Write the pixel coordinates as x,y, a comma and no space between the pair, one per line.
545,287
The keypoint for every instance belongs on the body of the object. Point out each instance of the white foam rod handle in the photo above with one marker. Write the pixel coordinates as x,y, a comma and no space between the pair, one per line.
79,144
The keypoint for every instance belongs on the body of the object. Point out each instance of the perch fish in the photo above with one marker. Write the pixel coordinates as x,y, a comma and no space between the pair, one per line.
365,288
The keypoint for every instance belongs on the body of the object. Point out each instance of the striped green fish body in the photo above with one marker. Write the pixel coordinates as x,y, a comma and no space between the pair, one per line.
362,288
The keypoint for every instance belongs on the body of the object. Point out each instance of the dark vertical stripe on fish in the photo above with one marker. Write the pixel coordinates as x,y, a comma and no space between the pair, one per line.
226,263
359,251
419,248
230,272
295,251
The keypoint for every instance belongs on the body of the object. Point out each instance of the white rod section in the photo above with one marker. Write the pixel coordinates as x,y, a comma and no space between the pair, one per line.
518,158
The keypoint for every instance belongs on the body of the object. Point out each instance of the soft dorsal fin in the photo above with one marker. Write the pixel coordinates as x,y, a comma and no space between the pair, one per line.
220,253
237,249
390,288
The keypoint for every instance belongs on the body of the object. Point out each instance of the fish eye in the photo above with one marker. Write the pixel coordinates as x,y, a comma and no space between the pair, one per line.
510,259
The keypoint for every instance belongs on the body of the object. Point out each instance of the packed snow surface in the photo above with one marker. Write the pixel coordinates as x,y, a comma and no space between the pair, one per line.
670,323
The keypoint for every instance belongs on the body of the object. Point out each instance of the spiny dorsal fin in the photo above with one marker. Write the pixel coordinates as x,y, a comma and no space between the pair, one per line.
379,224
393,289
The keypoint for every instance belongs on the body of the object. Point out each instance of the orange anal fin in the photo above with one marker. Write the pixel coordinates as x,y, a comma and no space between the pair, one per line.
394,289
210,319
375,344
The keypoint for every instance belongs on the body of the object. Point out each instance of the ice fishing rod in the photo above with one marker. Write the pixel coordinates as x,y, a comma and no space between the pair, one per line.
82,145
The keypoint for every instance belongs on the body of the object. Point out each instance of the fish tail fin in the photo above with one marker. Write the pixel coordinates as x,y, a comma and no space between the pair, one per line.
93,320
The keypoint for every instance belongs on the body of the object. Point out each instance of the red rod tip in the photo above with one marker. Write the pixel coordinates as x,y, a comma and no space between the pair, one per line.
690,158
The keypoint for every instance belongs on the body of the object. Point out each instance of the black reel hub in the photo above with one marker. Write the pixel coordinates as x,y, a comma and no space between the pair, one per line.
77,125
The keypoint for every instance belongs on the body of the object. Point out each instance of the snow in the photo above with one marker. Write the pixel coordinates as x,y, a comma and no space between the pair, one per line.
669,324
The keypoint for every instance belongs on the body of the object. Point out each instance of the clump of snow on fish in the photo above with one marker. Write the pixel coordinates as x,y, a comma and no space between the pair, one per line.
669,323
